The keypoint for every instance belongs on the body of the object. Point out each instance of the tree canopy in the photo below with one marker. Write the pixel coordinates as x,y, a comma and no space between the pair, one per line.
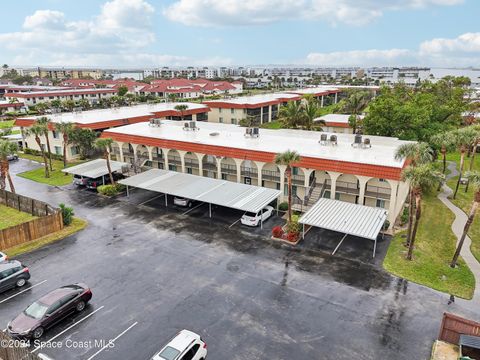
417,113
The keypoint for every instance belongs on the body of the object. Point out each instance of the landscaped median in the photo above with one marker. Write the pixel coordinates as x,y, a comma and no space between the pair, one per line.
434,249
57,177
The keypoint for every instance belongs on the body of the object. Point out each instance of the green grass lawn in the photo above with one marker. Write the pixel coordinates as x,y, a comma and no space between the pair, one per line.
76,225
11,217
6,124
435,246
464,201
57,177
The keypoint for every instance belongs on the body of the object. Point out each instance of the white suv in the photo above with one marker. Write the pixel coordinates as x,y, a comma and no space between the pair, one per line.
253,219
186,345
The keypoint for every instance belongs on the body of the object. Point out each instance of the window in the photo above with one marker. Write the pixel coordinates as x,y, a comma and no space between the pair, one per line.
234,121
189,170
67,299
54,307
382,180
172,167
169,353
220,119
224,176
58,150
74,150
278,186
191,353
220,110
337,196
326,194
380,203
55,134
232,111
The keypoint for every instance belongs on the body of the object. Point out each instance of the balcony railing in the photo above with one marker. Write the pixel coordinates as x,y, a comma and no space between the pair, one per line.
210,166
229,169
271,175
377,192
191,163
298,180
347,187
174,160
249,172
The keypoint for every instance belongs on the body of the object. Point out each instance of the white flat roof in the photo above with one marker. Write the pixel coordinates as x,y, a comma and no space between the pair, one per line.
213,191
306,143
95,168
346,218
254,99
124,112
314,90
339,118
60,91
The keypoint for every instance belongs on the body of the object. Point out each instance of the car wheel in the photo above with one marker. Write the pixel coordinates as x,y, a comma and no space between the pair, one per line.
38,332
80,306
21,282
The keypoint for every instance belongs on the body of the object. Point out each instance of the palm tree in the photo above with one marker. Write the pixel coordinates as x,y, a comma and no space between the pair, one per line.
445,142
291,114
181,108
45,123
288,158
6,148
417,154
66,129
420,178
463,139
105,144
311,110
355,104
476,141
37,130
474,178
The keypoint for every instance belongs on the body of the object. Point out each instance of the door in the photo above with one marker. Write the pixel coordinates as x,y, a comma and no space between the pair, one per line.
4,280
248,180
265,214
9,279
52,315
67,306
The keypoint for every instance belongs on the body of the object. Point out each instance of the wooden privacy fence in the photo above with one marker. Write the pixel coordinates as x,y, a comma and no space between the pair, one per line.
10,350
49,220
26,204
453,326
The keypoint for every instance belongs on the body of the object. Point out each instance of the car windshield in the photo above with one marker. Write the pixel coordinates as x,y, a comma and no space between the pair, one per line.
77,176
169,353
36,310
250,214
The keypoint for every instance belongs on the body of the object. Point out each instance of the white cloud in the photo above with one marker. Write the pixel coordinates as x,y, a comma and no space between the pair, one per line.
251,12
118,36
463,50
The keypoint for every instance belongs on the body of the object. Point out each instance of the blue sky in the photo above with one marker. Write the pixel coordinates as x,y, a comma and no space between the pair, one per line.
240,32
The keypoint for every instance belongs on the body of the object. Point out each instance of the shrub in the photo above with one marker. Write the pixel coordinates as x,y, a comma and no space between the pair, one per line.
277,232
386,225
67,214
39,153
283,206
293,227
292,237
109,190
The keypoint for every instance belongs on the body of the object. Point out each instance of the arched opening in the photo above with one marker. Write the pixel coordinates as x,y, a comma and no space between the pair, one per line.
347,188
142,153
158,158
271,176
174,160
249,172
128,155
191,163
209,165
229,169
377,193
115,152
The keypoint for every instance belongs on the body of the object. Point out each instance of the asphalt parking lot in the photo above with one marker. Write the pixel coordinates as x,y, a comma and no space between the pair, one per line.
154,271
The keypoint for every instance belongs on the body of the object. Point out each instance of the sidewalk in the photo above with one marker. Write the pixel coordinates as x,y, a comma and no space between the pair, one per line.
457,228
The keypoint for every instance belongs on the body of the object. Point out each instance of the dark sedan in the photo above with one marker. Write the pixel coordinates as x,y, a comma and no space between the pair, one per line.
49,310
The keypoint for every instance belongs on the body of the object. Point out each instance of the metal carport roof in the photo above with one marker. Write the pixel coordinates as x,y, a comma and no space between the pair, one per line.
213,191
95,168
347,218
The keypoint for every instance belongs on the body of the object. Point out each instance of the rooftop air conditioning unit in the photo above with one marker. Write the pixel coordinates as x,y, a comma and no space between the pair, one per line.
255,132
357,142
155,122
193,125
248,131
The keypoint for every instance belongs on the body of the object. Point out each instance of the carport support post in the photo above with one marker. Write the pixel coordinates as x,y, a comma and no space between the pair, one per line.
303,231
261,220
210,209
374,247
128,194
166,200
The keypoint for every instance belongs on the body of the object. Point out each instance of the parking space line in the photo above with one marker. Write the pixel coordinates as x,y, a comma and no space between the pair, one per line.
155,197
110,342
237,221
186,212
21,292
64,331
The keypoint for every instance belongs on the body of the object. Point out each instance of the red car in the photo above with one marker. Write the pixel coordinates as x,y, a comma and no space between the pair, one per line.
49,310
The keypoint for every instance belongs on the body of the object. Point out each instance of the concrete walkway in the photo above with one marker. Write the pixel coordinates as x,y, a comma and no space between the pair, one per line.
457,228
